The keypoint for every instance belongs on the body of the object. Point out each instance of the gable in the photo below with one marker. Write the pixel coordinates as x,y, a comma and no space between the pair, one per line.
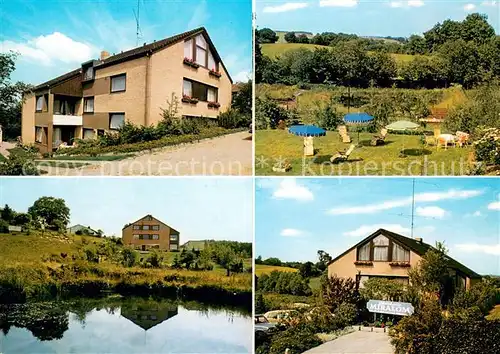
149,218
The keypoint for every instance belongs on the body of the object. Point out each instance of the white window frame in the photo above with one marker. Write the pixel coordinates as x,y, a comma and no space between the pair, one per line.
86,101
187,88
115,126
114,83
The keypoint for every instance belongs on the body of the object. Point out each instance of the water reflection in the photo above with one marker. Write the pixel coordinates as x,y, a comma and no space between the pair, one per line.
117,325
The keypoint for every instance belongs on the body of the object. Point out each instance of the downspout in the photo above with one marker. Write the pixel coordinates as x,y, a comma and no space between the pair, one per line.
148,90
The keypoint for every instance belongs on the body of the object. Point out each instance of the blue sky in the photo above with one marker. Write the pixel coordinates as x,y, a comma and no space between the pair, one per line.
56,36
368,17
297,217
199,208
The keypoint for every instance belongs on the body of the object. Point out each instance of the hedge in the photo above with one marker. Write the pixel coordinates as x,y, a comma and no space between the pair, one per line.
459,337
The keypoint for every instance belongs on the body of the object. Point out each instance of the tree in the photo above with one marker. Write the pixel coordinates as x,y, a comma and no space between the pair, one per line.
10,97
303,39
290,37
416,45
266,35
7,214
307,270
335,290
21,219
260,304
242,99
53,210
324,257
130,257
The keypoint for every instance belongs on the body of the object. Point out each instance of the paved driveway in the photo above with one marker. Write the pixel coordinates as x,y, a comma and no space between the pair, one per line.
225,155
359,342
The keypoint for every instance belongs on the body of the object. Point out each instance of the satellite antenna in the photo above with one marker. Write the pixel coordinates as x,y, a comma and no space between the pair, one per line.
138,31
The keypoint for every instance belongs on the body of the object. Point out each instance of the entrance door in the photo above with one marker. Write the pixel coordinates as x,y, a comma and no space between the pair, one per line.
68,134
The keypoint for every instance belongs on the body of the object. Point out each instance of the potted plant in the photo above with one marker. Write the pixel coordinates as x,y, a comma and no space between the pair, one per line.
191,63
399,264
214,72
363,263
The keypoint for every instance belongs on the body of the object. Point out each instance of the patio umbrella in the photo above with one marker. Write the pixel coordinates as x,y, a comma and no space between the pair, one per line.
308,132
402,126
358,119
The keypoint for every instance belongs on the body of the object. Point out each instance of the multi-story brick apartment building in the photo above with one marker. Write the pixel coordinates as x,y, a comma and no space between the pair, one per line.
150,233
130,86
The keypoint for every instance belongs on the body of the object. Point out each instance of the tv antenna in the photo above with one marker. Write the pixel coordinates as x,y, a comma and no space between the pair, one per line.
137,15
412,206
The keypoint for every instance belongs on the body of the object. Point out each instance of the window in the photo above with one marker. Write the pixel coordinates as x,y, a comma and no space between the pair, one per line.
145,227
156,237
380,248
174,247
174,237
89,73
201,50
364,252
118,83
64,106
136,237
116,120
149,218
400,254
211,62
100,132
39,134
200,91
40,103
155,227
88,133
137,227
188,49
88,105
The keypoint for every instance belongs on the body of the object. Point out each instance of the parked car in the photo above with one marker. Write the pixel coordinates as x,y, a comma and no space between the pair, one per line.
262,325
278,316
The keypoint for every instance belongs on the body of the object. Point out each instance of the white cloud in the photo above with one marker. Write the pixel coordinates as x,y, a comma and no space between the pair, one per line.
397,203
289,6
242,76
469,7
51,49
431,212
493,249
366,230
396,4
289,189
415,3
494,205
477,213
491,3
338,3
291,232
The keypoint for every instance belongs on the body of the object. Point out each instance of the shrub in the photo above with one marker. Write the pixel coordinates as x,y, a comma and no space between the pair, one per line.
260,304
19,165
345,314
268,114
284,283
232,119
481,295
297,339
335,291
130,257
154,259
487,147
90,254
327,117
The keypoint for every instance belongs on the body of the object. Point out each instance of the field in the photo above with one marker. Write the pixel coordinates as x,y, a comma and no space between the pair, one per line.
494,314
273,50
266,269
273,146
37,263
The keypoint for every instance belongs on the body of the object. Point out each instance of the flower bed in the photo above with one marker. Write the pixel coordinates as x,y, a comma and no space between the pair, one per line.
191,63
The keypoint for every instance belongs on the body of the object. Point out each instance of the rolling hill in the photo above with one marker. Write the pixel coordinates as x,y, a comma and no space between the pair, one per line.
266,269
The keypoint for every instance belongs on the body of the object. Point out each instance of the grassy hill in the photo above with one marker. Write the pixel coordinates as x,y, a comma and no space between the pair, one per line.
272,50
266,269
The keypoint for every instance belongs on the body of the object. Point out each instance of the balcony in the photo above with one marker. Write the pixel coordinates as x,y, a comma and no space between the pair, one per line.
61,119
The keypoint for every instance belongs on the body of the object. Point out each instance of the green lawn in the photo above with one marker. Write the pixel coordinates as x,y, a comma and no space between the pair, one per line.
272,146
266,269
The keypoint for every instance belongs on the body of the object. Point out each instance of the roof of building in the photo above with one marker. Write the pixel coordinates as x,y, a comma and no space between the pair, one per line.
145,216
196,244
80,226
137,53
417,246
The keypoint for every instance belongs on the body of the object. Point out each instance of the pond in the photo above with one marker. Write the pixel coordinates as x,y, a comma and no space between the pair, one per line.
124,325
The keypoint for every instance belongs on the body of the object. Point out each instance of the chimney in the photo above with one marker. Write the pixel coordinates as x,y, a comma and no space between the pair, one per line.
104,55
419,239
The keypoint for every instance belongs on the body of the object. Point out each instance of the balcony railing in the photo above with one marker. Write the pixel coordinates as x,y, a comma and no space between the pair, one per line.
60,119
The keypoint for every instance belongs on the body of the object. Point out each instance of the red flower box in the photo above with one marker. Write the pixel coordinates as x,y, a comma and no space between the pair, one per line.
189,99
213,104
399,264
363,263
215,73
191,63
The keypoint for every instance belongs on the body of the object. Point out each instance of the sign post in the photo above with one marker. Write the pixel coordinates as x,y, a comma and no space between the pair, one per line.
390,307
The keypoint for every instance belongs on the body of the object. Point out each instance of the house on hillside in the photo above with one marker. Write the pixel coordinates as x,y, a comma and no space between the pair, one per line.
148,316
131,86
81,230
194,245
385,254
150,233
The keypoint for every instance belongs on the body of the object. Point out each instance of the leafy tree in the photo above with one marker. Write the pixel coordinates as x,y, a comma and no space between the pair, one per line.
266,35
290,37
10,97
327,116
7,214
307,270
335,290
53,210
303,39
155,259
260,304
383,289
416,45
242,99
21,219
